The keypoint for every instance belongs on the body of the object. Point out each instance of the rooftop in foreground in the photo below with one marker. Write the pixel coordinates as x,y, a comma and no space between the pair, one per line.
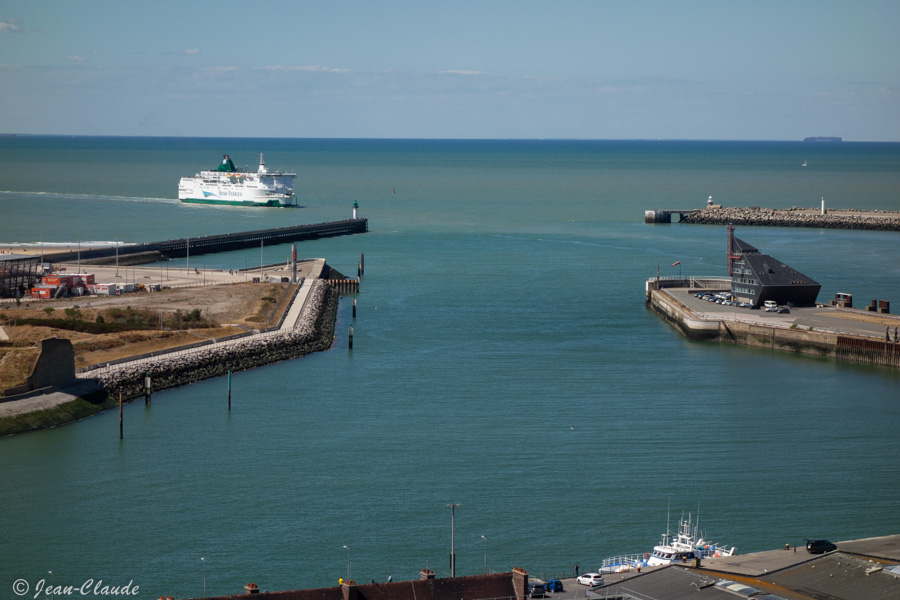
861,569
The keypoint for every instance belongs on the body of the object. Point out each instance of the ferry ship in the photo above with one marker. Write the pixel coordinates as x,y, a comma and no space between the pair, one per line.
228,185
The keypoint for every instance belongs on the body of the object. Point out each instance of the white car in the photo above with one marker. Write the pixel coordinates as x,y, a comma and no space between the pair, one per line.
591,579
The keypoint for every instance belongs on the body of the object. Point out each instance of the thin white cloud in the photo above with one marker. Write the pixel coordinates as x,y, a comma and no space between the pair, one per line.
189,51
307,68
461,72
77,59
9,27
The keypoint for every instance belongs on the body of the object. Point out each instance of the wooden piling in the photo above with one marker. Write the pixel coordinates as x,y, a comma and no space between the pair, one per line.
147,389
345,286
229,389
354,308
121,429
362,264
351,338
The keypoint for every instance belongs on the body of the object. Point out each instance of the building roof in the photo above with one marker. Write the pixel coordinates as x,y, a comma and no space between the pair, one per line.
840,576
497,586
769,270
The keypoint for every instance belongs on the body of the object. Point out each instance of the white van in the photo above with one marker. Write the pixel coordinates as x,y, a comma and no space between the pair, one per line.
770,305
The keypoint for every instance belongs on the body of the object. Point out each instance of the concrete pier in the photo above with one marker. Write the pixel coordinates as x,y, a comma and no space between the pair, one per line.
664,216
153,251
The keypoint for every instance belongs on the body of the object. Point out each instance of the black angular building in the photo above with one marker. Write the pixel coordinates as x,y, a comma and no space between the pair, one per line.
758,277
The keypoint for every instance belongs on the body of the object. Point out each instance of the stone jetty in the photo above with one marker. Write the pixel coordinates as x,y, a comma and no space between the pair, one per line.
796,217
312,332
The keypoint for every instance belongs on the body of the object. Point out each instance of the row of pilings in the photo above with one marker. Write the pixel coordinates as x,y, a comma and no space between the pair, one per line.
870,352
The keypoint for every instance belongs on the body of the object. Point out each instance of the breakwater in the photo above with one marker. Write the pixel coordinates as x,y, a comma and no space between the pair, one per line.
795,217
313,333
153,251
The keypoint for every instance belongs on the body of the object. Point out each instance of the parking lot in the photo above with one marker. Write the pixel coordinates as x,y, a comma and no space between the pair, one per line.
825,318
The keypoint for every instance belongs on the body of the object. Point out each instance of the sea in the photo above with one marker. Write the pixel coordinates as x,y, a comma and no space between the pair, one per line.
503,361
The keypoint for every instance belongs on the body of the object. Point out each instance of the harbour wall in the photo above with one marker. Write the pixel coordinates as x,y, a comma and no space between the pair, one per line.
768,217
313,333
844,347
154,251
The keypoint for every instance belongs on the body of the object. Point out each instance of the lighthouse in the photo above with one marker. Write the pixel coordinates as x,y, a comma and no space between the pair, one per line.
355,207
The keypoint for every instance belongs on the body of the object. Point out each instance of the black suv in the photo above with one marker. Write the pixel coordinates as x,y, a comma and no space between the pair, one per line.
819,546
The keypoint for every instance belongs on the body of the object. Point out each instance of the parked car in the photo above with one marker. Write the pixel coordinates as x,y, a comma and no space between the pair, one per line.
591,579
553,585
770,304
783,309
819,546
536,590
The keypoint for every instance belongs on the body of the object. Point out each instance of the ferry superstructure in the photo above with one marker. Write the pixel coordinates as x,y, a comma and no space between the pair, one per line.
228,185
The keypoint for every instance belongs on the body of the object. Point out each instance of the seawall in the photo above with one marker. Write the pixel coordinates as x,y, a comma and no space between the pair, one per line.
849,348
313,333
153,251
795,217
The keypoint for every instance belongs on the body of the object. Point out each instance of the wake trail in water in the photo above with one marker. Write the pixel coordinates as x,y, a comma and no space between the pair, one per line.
80,197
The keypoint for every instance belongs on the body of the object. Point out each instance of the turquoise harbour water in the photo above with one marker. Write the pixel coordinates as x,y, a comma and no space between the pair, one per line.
503,360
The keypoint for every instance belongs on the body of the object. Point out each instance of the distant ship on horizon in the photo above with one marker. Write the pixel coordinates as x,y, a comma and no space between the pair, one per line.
822,139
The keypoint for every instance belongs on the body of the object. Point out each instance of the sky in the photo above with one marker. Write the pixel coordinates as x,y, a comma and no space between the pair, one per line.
496,69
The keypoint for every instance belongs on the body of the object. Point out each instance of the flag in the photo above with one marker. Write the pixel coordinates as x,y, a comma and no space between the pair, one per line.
677,262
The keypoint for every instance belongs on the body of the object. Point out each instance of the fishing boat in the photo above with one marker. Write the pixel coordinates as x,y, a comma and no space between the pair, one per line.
688,543
229,185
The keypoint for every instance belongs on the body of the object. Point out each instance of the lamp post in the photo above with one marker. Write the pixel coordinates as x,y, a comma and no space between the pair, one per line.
347,548
203,561
452,508
485,554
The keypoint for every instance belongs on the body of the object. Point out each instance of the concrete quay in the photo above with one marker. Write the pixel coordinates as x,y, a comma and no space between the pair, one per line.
858,569
849,335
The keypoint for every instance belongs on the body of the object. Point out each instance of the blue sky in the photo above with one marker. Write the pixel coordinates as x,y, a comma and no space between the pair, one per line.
774,70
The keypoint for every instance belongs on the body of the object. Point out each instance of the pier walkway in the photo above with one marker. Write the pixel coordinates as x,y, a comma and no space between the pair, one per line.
214,243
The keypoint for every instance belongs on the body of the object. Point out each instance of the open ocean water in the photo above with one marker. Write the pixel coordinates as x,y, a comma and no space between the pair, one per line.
503,360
